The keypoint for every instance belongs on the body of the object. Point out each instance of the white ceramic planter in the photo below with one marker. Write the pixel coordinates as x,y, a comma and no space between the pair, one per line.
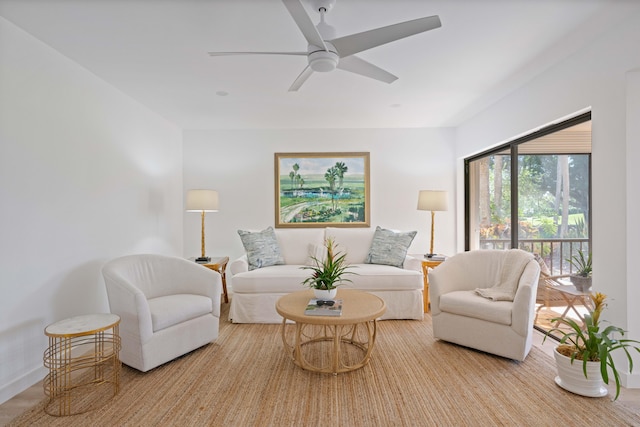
571,376
324,294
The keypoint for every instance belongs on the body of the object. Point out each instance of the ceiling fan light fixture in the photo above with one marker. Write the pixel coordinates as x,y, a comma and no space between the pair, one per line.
323,61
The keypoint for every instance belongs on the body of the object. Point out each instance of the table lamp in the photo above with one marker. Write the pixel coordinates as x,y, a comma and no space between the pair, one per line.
430,200
202,201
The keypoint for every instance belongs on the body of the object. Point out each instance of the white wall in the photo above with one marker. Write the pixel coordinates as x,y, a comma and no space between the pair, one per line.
633,207
597,77
240,165
86,174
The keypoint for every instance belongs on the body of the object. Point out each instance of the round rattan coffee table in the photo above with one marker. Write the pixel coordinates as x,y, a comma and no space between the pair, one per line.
350,336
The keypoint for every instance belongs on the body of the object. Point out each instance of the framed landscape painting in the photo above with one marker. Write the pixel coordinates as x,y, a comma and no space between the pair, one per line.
322,190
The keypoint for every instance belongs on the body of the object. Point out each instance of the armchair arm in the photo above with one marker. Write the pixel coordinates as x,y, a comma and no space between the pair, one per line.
200,280
130,303
173,275
188,277
524,302
448,277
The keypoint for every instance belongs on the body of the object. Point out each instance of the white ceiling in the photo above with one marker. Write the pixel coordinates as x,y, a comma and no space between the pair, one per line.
156,52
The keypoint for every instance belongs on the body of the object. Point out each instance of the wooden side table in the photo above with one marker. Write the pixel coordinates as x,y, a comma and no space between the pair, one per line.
573,297
83,359
219,264
426,265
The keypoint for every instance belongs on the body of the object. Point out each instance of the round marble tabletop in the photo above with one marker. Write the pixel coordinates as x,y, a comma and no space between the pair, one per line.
82,325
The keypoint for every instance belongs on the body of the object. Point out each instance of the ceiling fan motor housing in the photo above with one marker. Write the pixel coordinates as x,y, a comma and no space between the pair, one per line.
327,5
321,60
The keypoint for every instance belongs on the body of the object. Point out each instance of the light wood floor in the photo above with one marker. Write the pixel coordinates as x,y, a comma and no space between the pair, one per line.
15,406
18,404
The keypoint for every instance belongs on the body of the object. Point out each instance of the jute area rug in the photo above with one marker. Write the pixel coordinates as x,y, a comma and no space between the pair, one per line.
246,379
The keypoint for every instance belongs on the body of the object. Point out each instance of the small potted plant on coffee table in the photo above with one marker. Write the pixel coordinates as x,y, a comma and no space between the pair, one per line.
327,272
585,351
581,277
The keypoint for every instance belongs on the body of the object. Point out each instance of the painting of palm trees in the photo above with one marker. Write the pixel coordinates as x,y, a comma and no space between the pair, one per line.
322,189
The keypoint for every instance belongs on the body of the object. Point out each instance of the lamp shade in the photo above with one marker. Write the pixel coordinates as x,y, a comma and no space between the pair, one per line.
430,200
202,201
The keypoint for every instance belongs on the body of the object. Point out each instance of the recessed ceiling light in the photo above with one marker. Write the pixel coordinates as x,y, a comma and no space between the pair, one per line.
222,93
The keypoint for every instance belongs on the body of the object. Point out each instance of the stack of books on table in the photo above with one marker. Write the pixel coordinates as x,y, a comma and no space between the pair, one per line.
318,307
435,257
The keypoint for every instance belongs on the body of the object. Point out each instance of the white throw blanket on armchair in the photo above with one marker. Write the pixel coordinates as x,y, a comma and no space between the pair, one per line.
514,264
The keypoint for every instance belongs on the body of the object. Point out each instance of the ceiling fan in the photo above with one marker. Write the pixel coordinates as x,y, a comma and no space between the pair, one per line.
325,52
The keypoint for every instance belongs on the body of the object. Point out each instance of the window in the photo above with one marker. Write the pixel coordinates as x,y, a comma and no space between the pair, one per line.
542,184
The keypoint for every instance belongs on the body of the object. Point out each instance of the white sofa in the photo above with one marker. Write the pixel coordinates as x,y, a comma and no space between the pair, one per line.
463,317
255,292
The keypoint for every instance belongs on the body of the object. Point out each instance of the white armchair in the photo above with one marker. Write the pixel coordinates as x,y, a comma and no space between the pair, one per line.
168,306
463,317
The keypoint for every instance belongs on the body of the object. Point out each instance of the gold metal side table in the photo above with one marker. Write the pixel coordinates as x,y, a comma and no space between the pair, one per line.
84,363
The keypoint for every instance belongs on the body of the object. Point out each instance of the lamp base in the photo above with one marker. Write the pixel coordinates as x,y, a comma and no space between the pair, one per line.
203,259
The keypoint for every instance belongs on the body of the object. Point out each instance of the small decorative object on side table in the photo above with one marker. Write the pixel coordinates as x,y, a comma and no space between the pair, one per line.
83,359
218,264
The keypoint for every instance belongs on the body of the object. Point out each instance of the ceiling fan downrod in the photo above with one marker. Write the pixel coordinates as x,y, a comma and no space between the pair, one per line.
321,60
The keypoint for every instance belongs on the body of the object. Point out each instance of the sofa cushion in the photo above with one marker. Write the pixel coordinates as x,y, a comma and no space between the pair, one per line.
390,247
354,242
298,245
289,278
262,248
277,278
378,277
174,309
470,304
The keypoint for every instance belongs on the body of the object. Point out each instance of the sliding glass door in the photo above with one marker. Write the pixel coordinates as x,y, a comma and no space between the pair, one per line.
533,194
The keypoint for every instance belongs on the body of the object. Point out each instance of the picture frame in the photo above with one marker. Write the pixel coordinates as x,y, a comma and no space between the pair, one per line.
322,190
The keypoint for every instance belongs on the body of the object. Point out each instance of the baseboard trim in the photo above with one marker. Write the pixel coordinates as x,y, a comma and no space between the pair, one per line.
19,385
629,380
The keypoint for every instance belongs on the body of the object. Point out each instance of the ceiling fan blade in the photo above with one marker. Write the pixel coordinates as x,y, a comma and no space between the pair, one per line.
360,66
299,14
358,42
304,75
256,53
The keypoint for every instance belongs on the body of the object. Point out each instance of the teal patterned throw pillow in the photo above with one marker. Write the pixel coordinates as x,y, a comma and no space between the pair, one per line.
261,247
390,247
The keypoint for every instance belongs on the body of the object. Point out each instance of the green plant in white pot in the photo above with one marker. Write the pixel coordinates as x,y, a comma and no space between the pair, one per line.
583,356
581,277
327,271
